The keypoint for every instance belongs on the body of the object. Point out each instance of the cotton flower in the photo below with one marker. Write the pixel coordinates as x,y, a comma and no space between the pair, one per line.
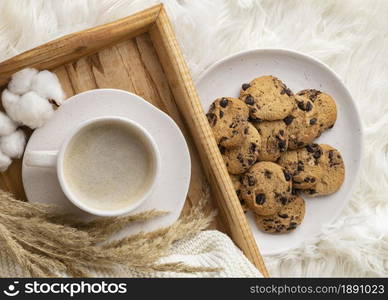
31,110
10,101
47,85
5,161
13,145
7,126
26,101
21,81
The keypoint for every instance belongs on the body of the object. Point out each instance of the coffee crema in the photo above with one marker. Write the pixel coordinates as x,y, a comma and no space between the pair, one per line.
108,165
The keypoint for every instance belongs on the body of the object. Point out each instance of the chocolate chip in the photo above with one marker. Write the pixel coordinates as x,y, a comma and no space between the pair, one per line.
281,132
233,125
249,100
242,201
312,179
307,179
221,114
282,145
331,153
287,91
212,106
283,200
250,162
284,216
240,158
314,94
287,175
301,105
300,166
268,174
311,191
299,143
252,148
251,181
309,106
313,121
212,119
246,130
317,154
260,199
245,86
288,120
222,149
310,148
224,102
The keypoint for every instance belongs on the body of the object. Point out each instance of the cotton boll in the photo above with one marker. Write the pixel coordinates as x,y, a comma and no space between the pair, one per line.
5,161
33,110
7,126
10,102
13,145
21,81
47,85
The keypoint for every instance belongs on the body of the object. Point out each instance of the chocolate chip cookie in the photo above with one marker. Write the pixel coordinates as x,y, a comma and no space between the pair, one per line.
228,118
303,123
332,172
265,188
287,219
236,180
326,107
240,158
268,98
304,165
274,139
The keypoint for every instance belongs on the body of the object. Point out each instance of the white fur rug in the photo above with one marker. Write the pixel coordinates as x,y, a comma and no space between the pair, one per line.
349,35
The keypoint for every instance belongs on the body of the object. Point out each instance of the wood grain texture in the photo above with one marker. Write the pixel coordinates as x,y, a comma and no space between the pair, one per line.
140,54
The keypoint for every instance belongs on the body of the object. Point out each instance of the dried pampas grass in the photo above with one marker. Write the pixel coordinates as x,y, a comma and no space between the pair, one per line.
46,243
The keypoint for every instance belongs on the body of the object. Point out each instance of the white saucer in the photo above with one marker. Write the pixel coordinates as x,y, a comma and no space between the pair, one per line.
297,71
41,184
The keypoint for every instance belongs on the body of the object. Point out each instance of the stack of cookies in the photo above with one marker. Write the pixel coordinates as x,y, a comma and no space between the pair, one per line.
266,139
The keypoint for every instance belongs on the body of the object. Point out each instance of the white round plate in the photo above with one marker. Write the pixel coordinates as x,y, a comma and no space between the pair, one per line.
297,71
41,184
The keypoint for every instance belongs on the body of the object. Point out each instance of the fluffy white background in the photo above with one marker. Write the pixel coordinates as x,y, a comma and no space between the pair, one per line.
349,35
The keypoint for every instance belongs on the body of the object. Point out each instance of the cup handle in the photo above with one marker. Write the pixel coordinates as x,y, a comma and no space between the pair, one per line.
43,159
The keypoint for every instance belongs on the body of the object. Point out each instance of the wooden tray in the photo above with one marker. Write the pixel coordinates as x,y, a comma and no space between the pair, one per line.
140,54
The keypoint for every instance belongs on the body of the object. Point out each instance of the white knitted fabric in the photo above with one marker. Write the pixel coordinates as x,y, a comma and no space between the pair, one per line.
210,248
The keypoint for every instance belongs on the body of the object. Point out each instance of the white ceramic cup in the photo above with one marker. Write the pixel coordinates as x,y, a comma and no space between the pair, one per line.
55,159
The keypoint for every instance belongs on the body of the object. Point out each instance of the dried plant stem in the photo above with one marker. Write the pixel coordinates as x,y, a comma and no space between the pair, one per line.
45,243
